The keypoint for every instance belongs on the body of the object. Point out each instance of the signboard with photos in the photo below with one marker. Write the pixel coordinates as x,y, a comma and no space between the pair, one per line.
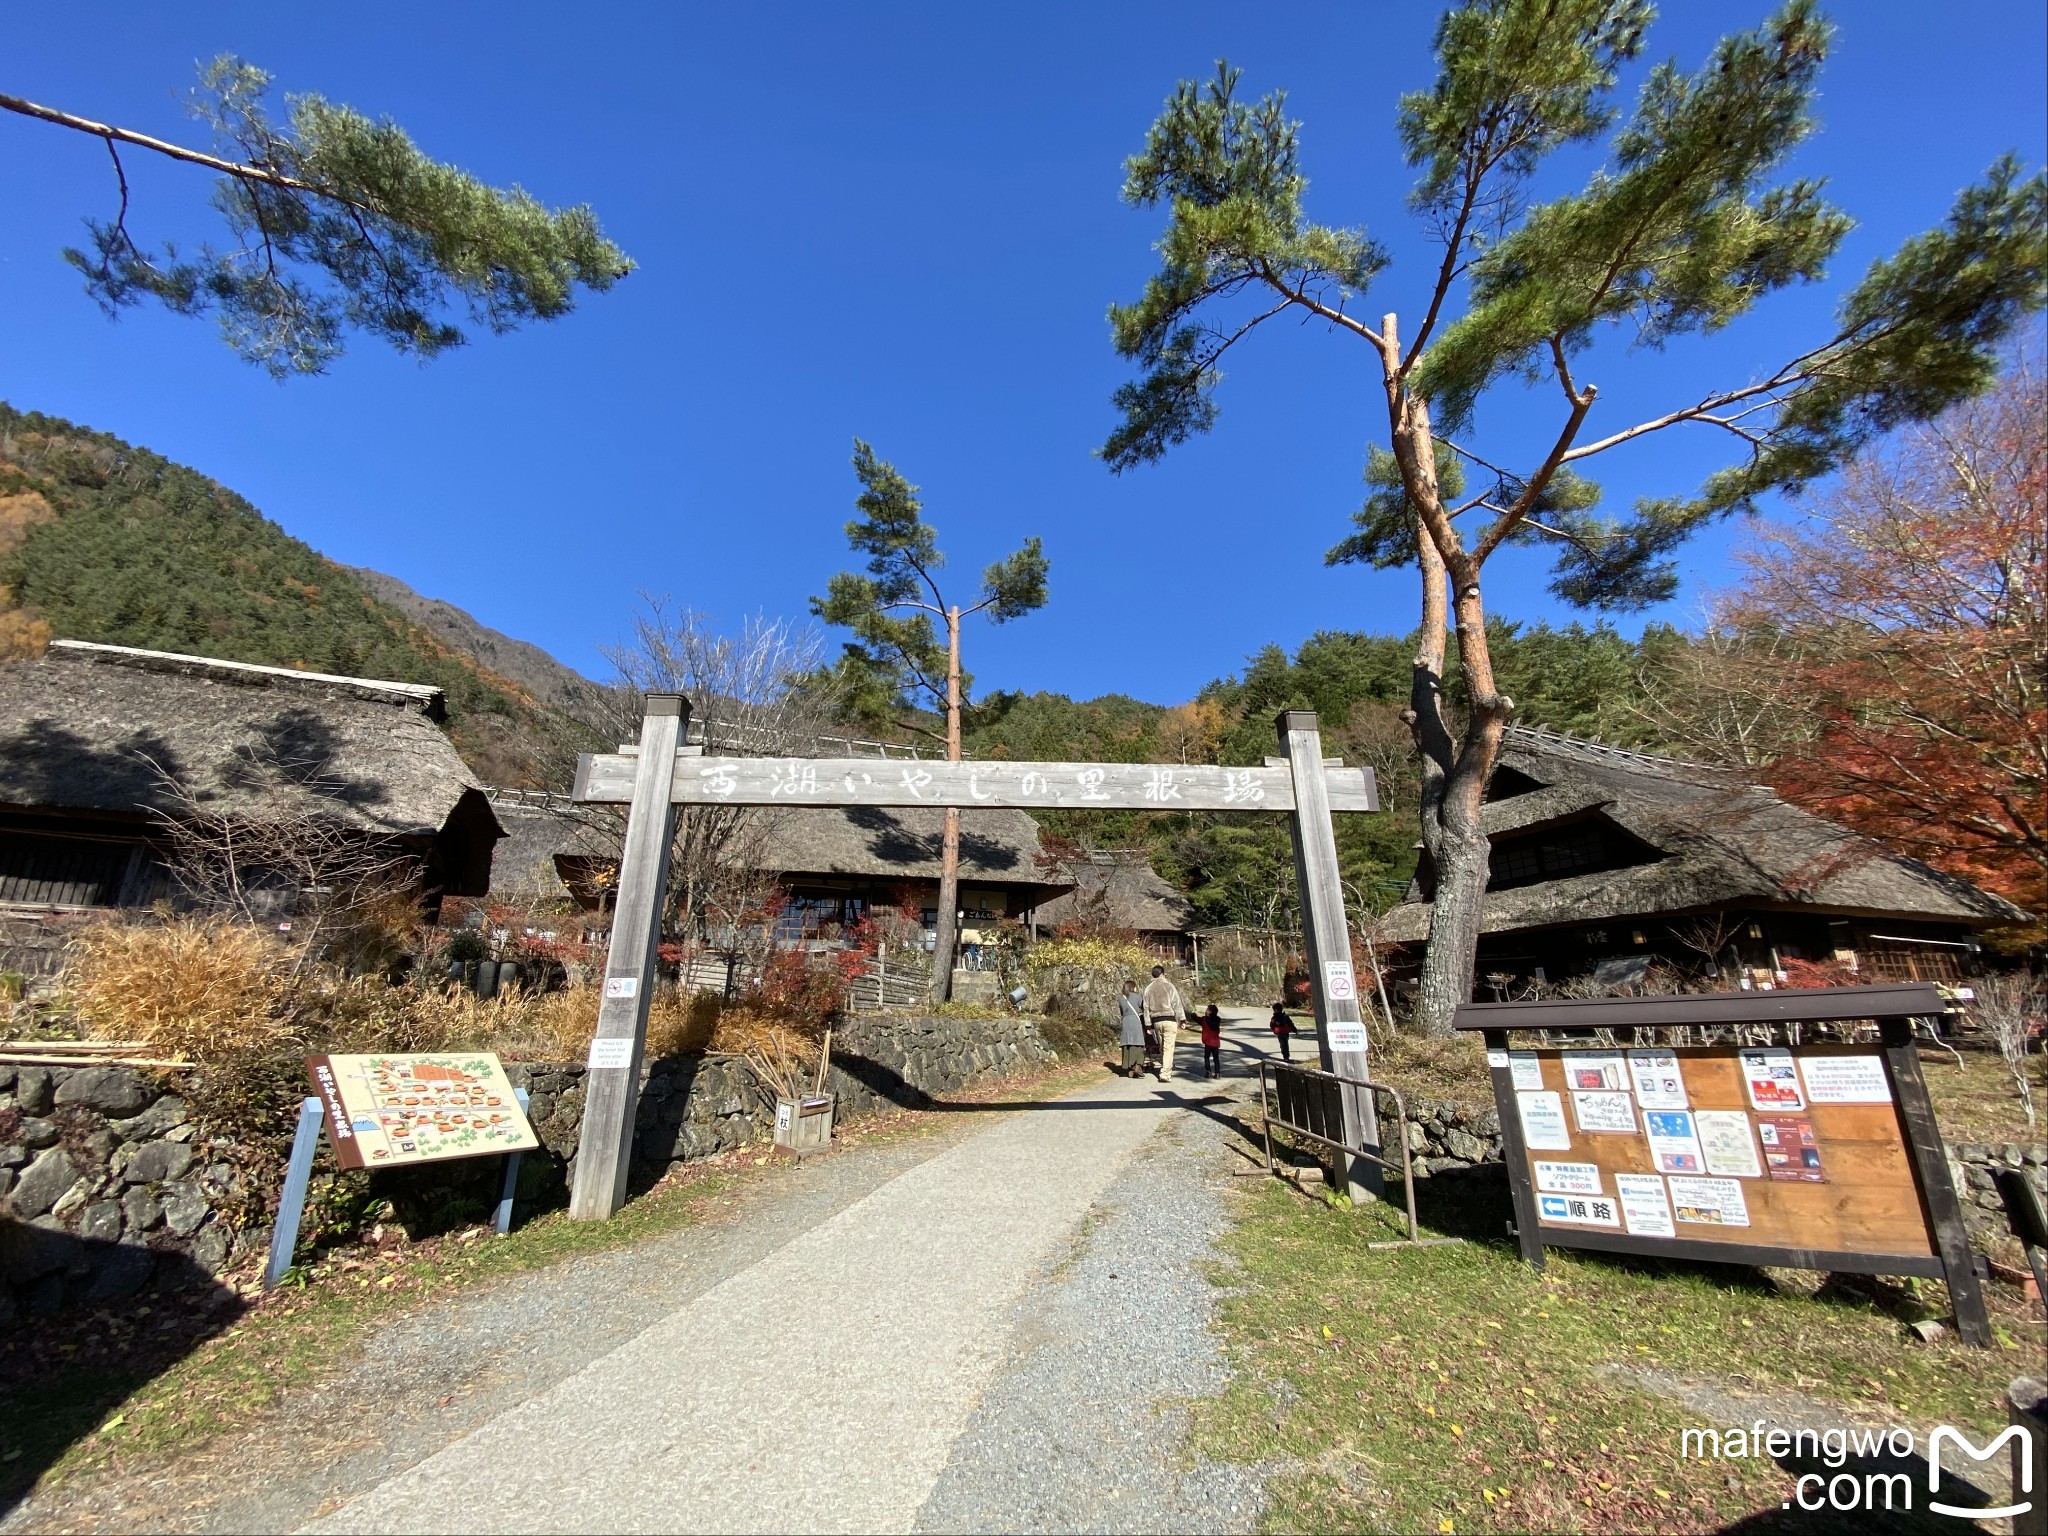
1820,1154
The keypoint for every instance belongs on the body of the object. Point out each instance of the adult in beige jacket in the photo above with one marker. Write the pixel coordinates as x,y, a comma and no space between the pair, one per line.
1167,1013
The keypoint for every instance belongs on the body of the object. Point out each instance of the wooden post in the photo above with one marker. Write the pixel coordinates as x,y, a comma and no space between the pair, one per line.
1937,1189
1340,1026
611,1083
1513,1152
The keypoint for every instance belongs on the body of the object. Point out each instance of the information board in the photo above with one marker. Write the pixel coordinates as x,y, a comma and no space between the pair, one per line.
383,1111
1784,1145
1709,1163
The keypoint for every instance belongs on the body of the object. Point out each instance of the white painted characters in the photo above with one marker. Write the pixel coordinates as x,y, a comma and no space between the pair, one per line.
1242,787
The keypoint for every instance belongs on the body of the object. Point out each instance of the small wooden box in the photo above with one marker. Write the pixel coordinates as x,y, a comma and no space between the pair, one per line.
804,1125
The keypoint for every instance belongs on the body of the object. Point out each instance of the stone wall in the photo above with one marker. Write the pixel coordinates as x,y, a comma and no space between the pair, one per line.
107,1185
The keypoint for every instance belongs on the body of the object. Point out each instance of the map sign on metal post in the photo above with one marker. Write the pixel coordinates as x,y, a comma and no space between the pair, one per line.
386,1110
663,774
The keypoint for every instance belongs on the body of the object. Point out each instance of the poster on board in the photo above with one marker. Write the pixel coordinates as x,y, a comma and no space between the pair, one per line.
1644,1204
1709,1202
1543,1127
1594,1072
1525,1068
383,1111
1725,1139
1845,1079
1674,1146
1771,1078
1568,1178
1791,1150
1659,1082
1606,1113
1582,1210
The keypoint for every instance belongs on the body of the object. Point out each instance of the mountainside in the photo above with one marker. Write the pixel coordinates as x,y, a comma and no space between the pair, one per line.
101,540
519,661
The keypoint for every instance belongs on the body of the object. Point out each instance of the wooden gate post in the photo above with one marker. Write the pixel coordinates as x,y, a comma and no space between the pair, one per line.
611,1082
1340,1026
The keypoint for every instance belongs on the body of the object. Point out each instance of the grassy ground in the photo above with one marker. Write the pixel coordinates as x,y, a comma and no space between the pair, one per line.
1975,1098
1455,1389
155,1380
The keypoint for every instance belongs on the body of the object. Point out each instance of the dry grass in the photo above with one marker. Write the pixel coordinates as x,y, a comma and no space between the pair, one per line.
202,989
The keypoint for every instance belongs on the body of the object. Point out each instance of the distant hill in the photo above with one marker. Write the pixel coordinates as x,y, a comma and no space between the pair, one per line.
102,540
519,661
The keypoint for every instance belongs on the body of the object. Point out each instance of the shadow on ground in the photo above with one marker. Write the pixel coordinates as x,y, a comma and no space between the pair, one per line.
62,1372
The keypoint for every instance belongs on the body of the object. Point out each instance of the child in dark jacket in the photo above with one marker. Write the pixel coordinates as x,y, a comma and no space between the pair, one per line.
1212,1043
1283,1030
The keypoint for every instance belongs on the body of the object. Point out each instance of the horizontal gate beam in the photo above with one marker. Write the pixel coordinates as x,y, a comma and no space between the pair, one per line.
607,779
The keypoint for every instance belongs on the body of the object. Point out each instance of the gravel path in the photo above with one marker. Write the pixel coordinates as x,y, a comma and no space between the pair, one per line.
994,1328
1084,1427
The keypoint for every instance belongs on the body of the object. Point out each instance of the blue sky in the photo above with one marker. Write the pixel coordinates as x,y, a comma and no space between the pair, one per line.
896,221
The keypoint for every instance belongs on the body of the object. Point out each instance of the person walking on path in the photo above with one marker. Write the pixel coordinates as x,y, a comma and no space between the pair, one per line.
1212,1043
1283,1030
1131,1024
1166,1012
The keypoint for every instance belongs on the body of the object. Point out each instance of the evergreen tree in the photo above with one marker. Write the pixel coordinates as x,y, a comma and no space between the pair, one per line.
896,664
1687,225
338,223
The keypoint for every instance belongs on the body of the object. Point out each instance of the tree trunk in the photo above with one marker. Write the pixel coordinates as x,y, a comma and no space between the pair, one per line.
1454,775
949,857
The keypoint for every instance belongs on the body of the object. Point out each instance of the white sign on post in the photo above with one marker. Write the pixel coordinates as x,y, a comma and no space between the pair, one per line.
622,986
1339,985
1346,1037
615,1052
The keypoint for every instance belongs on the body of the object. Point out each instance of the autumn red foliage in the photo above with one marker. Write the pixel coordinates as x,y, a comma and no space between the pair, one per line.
1917,621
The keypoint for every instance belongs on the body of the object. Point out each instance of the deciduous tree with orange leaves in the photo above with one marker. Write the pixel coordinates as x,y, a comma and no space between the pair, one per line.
1884,662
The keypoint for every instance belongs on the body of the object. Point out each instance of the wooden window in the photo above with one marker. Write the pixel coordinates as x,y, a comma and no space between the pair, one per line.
1909,962
61,871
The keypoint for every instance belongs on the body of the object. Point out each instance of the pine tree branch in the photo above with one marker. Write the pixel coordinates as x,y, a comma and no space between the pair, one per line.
238,169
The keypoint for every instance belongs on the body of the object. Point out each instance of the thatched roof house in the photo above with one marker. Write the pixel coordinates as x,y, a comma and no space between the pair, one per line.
833,864
1601,854
1119,888
88,734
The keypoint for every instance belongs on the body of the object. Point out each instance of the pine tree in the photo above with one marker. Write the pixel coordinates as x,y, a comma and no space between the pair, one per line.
338,223
896,664
1686,227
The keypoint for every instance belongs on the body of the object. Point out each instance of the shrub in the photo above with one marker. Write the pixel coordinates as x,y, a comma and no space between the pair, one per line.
201,988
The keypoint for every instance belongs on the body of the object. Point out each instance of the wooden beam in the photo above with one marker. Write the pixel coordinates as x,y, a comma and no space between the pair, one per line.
611,1085
1937,1190
1340,1026
610,778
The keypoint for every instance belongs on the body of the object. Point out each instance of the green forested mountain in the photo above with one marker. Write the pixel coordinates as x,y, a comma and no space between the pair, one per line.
101,540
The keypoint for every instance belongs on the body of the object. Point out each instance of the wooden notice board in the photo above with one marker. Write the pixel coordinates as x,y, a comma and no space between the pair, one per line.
1818,1156
386,1110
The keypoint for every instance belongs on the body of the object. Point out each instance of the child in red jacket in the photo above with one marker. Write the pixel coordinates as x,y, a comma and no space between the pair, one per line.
1212,1043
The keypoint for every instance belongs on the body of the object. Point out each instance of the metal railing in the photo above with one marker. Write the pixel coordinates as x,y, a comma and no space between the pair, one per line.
1311,1107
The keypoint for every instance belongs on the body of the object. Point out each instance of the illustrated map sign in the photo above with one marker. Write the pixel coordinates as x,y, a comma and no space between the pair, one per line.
1818,1155
383,1111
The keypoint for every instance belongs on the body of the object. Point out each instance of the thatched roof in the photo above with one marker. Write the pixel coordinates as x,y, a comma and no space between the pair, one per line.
1722,843
93,728
997,847
1119,890
539,829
